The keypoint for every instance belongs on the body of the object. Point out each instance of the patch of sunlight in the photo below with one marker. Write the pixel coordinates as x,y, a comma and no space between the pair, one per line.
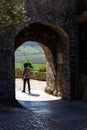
37,91
35,95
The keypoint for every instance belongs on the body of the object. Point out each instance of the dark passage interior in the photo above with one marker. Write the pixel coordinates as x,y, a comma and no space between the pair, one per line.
82,60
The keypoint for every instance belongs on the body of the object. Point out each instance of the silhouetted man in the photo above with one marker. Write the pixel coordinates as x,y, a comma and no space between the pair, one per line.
26,74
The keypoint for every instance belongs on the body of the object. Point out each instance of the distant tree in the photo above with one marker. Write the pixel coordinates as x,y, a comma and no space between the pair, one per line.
12,13
28,62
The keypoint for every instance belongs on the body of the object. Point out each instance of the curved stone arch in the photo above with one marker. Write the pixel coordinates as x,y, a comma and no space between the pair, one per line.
54,41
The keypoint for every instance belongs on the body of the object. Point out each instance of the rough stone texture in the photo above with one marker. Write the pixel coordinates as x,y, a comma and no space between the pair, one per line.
25,119
7,87
52,26
33,75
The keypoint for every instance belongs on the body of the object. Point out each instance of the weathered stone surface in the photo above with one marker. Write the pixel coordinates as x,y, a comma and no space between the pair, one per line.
33,75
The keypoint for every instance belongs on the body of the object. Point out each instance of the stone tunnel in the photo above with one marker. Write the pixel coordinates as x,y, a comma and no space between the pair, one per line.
52,39
58,27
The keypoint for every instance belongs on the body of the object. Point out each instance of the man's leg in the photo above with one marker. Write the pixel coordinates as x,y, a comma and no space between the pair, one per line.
28,82
24,83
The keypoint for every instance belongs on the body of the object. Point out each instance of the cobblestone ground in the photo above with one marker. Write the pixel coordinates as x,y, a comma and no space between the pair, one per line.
43,115
23,119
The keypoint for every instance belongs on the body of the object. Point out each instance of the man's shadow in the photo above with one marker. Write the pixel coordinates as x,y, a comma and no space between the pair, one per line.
33,94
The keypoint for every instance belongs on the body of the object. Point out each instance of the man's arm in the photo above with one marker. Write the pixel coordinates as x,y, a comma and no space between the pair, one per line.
23,74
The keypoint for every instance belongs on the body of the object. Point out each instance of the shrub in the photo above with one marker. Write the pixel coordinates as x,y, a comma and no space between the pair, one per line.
42,68
30,65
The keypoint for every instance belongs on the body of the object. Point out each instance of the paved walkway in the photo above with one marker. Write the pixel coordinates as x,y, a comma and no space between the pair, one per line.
43,112
37,91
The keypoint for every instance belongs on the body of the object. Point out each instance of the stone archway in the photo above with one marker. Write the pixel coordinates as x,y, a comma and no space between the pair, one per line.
55,44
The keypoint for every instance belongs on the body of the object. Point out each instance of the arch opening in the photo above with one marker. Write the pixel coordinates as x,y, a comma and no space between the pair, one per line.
31,53
55,43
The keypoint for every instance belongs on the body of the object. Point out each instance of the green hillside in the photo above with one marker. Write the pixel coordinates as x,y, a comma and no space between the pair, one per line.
29,51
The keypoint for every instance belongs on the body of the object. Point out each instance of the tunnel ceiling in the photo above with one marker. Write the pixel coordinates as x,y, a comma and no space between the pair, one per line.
39,32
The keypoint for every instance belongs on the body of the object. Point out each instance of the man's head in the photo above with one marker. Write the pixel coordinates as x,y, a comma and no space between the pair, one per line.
25,64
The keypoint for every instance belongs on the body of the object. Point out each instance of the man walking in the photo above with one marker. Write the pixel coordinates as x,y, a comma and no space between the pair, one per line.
26,79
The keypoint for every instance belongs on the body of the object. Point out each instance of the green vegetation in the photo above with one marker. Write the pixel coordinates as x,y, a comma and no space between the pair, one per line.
12,13
30,52
36,67
42,68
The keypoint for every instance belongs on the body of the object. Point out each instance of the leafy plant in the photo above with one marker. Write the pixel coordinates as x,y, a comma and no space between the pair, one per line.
30,65
12,13
42,68
28,62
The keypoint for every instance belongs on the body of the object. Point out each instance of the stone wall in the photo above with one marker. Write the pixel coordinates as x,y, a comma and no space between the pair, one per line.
61,13
7,86
33,75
